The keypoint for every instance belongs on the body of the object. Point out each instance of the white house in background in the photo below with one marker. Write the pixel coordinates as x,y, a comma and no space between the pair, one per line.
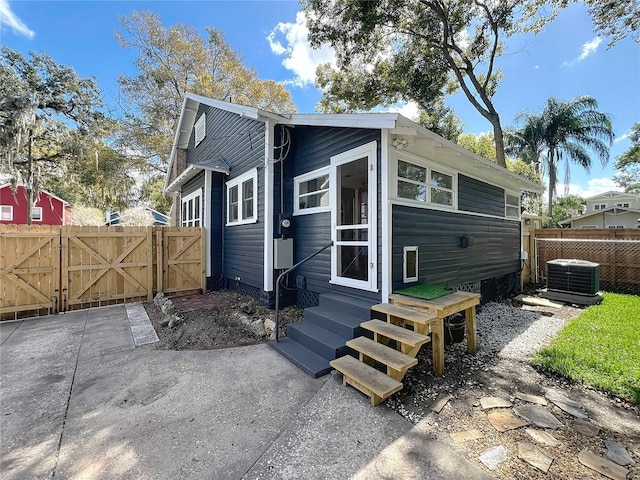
609,210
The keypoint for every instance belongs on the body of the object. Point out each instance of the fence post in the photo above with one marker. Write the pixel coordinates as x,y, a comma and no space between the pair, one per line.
159,261
149,264
203,259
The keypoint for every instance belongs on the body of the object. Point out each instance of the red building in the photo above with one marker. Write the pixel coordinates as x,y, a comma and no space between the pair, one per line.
47,210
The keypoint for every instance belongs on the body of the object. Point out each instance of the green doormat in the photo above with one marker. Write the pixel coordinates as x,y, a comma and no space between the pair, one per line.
426,292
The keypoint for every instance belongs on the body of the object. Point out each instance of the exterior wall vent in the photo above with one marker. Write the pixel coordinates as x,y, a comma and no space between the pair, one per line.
573,276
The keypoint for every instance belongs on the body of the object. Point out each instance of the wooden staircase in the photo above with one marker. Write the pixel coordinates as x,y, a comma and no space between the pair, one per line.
362,374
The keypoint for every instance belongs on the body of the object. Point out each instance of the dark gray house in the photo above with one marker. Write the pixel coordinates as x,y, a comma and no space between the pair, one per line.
400,204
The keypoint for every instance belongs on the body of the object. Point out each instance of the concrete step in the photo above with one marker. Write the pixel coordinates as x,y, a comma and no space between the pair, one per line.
303,358
355,307
317,339
367,379
335,321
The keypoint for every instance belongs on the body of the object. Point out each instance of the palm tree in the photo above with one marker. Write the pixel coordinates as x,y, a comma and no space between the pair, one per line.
563,131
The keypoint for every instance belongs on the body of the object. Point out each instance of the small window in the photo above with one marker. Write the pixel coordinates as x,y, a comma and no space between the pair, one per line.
200,129
242,199
423,184
623,205
311,192
585,227
191,209
600,206
512,206
36,214
6,213
616,226
410,264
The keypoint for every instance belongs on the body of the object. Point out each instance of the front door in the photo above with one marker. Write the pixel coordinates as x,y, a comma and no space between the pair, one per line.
353,218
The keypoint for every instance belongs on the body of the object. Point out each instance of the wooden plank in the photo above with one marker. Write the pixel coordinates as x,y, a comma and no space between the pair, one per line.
394,332
406,313
149,245
537,301
203,260
381,353
444,306
366,379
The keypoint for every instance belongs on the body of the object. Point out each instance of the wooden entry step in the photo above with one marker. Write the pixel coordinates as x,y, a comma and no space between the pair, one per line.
408,340
421,320
367,379
397,363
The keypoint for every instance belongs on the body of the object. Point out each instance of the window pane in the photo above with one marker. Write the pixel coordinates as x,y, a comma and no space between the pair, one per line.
190,210
233,204
411,171
441,197
314,200
247,199
196,208
513,200
441,180
5,213
411,263
412,191
320,183
512,212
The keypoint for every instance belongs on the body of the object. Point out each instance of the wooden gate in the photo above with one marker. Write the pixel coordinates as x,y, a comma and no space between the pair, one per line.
29,269
49,269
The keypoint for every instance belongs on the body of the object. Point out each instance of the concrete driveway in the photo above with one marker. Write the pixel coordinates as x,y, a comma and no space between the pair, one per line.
79,399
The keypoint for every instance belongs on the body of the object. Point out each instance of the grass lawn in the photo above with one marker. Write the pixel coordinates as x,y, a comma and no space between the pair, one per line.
600,347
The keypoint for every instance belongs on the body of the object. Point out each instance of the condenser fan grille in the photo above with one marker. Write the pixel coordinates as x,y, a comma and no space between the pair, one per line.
573,276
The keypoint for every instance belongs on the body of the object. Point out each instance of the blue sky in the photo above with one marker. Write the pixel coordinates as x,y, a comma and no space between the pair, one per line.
566,60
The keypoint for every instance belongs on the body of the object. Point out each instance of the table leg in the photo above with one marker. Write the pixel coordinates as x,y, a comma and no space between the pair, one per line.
470,316
437,345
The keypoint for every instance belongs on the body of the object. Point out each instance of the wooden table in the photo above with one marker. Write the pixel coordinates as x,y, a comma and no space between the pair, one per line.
443,307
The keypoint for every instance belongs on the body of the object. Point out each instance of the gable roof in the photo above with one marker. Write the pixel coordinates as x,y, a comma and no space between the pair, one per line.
614,210
49,194
398,125
612,194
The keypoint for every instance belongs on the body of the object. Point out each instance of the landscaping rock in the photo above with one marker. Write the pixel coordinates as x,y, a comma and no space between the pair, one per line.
466,436
174,320
269,325
165,320
618,454
168,307
440,402
159,299
494,402
585,427
602,465
257,328
505,420
244,319
564,403
535,456
531,398
494,456
538,416
543,437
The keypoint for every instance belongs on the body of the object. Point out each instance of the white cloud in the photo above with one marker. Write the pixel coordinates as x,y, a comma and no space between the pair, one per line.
587,49
290,40
621,138
9,19
411,110
595,186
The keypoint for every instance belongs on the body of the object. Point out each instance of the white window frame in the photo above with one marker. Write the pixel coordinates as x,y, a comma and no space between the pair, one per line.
623,205
300,179
600,206
3,210
191,199
36,214
507,204
200,129
238,182
405,274
429,167
612,227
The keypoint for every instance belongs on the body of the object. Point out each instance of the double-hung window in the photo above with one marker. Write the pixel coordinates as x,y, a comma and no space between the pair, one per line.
425,184
36,214
512,205
600,206
192,209
6,213
311,192
242,199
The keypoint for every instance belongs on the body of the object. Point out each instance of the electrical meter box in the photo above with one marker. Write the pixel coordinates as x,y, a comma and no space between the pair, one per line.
282,253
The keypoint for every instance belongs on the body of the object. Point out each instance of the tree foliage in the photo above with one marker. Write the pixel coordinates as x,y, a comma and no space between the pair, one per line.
418,50
47,114
569,131
629,163
565,208
481,144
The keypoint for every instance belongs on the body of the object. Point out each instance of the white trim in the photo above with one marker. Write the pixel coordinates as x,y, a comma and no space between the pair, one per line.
409,203
206,205
186,199
268,207
200,130
405,277
237,182
305,177
33,219
387,223
10,207
368,151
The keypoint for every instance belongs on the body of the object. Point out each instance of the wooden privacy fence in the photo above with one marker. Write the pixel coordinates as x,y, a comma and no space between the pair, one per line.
617,251
50,269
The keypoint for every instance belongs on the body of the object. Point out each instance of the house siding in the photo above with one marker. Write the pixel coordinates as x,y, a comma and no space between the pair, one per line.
480,197
240,142
312,148
442,261
53,210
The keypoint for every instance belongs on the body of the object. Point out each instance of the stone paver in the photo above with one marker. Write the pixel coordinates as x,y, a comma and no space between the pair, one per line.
543,437
531,398
618,454
565,404
440,402
535,456
538,416
585,427
141,327
488,403
602,465
494,456
467,436
505,420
